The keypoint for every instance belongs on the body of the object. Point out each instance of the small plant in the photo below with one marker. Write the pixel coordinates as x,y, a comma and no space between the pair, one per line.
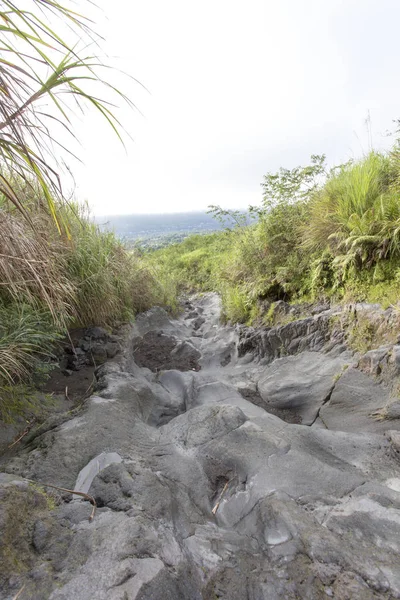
339,375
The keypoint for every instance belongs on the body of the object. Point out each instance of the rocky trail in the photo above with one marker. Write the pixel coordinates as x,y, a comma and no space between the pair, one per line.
226,462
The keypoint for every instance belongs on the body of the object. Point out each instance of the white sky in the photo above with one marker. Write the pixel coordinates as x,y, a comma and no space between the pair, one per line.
237,88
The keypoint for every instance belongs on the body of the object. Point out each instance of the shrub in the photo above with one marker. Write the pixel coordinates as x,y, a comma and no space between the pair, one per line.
355,210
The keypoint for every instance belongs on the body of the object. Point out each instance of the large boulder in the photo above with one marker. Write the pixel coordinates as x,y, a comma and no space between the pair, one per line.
296,387
360,403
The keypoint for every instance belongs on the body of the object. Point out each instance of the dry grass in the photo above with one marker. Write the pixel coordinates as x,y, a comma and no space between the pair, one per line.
49,282
30,269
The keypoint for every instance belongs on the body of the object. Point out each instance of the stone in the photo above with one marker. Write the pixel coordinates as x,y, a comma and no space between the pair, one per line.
393,410
201,491
310,333
85,345
67,372
372,361
96,333
356,398
197,323
296,387
97,355
112,349
395,359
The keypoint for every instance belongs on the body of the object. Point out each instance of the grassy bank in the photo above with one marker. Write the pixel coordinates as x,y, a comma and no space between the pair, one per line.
52,281
319,235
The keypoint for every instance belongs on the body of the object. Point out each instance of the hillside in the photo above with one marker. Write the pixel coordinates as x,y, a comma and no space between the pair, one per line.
320,236
199,405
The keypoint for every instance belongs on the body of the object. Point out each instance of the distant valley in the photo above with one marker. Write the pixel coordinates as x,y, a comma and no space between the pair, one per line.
157,230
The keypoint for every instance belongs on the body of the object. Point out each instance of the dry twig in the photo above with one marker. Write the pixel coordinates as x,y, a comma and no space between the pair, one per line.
89,390
216,507
84,496
20,437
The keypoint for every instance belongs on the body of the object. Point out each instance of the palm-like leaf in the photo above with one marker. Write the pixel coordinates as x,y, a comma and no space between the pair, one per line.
37,65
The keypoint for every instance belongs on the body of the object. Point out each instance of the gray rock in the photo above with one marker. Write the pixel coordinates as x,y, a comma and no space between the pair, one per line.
197,323
298,386
67,372
97,355
354,402
96,333
395,359
311,333
394,437
202,493
85,345
393,410
112,349
372,362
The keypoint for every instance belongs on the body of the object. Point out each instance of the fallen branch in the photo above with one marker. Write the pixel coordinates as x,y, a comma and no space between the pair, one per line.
216,507
84,496
89,390
27,430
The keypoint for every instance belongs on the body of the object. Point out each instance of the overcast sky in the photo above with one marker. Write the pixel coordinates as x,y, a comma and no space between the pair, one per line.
237,89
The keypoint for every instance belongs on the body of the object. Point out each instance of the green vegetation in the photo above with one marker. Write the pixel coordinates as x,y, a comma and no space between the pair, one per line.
57,269
319,235
52,281
45,71
21,508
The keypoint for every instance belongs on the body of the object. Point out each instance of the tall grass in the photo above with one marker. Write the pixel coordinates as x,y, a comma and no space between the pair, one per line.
355,206
27,336
32,269
51,281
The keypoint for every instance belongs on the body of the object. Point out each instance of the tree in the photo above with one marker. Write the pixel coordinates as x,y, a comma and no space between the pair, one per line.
292,185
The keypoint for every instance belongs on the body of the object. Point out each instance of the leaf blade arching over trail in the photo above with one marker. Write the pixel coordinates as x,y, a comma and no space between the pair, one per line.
29,44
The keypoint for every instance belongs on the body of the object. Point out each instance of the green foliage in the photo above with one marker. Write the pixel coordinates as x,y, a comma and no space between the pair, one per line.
21,507
355,216
44,62
26,339
110,283
319,234
56,267
365,331
192,263
288,186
